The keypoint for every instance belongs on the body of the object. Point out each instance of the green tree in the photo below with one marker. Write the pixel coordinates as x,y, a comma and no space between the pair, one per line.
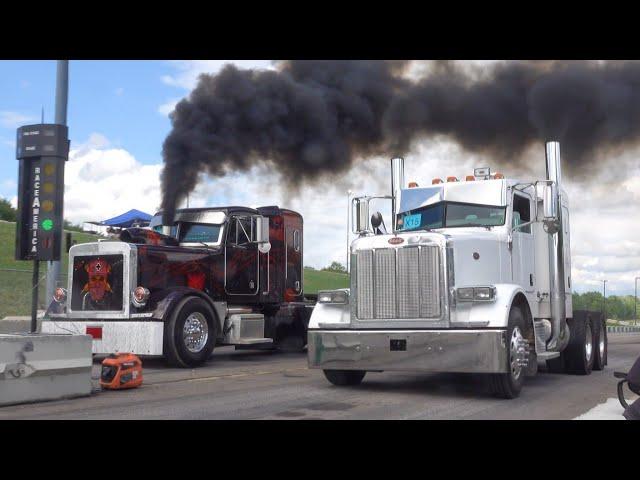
7,212
336,267
617,307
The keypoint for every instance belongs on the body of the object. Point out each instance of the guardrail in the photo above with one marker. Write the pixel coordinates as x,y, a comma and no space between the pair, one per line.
624,329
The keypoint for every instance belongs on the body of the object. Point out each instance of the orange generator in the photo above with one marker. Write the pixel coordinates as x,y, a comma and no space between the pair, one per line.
120,371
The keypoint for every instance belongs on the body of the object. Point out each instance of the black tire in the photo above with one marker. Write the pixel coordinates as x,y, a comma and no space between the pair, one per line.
578,362
509,385
557,365
343,378
176,352
600,334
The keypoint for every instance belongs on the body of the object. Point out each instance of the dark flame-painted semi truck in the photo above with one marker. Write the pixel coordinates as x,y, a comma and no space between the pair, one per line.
216,276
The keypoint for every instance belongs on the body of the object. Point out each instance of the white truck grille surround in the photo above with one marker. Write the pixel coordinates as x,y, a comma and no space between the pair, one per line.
403,283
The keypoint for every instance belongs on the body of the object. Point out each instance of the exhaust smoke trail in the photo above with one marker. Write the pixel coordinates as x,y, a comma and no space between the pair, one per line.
312,120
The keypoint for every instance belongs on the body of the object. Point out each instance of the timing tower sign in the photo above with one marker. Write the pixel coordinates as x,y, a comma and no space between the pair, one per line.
42,150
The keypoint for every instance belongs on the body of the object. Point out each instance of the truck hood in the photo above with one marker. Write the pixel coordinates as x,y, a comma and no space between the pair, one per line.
480,257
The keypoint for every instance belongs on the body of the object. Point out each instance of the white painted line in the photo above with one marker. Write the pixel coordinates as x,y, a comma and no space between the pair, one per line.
609,410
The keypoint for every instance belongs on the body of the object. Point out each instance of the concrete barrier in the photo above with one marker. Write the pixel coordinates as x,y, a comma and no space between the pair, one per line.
19,324
36,367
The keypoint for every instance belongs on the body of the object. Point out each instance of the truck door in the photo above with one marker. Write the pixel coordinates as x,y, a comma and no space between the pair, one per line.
241,258
293,259
522,251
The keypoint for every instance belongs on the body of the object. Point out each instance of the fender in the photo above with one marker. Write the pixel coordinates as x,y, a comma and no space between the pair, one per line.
489,314
163,303
330,315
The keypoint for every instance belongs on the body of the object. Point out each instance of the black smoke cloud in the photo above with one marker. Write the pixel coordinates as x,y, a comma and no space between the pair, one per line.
311,120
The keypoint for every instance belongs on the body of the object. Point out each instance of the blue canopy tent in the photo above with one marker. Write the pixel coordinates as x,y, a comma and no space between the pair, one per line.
126,220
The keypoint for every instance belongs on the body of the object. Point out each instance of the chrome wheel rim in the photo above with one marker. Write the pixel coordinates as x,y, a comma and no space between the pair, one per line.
195,332
588,343
517,353
601,344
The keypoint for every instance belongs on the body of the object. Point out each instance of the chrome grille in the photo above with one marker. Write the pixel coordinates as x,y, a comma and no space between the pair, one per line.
398,283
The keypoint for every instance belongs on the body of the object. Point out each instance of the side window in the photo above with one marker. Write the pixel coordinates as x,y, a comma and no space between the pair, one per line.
521,213
240,231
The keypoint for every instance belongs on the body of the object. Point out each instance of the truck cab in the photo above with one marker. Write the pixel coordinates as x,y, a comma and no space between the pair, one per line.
473,276
214,276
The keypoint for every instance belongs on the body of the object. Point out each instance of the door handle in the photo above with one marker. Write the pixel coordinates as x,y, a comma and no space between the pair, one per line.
531,279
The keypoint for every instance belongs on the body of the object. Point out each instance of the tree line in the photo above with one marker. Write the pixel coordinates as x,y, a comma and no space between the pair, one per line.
617,307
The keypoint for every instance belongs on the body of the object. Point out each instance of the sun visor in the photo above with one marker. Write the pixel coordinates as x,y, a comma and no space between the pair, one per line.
488,192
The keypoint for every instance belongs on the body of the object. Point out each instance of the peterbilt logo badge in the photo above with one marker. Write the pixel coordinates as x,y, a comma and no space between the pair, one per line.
396,240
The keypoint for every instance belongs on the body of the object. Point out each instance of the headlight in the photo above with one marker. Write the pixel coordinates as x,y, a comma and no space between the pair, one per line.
139,297
333,296
476,294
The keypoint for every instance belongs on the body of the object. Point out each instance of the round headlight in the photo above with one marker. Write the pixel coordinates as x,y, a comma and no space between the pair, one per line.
140,296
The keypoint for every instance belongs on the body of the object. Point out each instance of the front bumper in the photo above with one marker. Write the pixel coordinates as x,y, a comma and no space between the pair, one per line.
479,351
138,337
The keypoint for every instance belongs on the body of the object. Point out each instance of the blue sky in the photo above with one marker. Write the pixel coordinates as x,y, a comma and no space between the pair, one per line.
119,99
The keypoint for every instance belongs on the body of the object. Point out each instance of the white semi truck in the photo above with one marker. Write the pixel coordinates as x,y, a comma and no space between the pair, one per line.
473,276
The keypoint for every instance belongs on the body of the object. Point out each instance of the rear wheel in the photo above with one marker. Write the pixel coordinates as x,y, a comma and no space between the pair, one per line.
190,333
580,352
600,343
509,385
345,377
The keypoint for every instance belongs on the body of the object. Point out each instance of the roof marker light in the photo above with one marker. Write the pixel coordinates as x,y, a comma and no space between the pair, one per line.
452,179
413,185
436,181
498,176
470,178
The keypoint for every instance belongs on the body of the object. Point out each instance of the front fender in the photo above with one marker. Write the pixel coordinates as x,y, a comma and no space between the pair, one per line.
487,314
330,315
163,302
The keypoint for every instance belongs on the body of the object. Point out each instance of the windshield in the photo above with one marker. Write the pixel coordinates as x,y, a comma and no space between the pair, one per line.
158,228
199,233
194,232
448,214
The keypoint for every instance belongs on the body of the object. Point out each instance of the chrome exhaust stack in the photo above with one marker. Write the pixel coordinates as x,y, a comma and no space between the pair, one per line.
166,230
557,292
397,182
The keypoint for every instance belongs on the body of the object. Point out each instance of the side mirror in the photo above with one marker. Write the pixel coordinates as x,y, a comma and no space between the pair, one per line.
550,208
361,214
261,233
550,202
376,220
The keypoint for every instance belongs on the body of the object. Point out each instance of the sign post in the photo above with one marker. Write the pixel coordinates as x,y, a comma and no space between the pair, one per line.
42,150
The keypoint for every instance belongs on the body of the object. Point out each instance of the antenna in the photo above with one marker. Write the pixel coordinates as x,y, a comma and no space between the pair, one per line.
42,114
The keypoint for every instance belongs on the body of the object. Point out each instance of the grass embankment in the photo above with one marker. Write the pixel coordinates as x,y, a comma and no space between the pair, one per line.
315,280
15,275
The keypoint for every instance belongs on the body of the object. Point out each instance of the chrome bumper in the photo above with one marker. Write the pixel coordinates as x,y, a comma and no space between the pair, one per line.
481,351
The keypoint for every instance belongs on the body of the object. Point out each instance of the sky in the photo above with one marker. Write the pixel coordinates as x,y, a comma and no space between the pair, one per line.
118,119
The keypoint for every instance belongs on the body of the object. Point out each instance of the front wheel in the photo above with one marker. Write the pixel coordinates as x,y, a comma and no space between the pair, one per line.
190,333
344,377
509,385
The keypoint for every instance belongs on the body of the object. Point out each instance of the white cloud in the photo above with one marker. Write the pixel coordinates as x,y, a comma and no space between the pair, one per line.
166,108
102,182
189,70
15,119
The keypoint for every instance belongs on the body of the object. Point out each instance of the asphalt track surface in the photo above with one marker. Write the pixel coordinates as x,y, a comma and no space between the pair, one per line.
277,386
